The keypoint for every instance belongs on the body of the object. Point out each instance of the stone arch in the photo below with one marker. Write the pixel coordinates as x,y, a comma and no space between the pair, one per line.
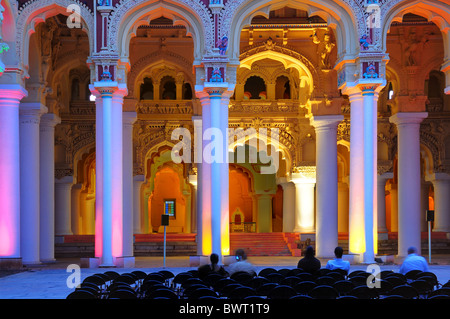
435,12
341,16
131,14
142,67
37,11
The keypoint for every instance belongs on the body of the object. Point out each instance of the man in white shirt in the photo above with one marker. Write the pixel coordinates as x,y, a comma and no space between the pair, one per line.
338,262
241,264
413,262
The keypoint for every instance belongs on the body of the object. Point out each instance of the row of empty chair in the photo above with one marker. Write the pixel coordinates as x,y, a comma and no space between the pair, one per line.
269,283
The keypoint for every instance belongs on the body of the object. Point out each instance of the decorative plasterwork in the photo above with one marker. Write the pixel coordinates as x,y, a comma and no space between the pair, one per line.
197,6
24,27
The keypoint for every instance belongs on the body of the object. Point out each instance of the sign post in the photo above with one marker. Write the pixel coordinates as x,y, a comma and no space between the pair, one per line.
430,218
165,223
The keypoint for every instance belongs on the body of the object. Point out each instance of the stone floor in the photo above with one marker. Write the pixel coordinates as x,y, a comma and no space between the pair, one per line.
49,281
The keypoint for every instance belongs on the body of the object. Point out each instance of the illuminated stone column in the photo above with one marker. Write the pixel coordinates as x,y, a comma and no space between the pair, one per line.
47,186
109,172
138,180
213,169
10,96
394,207
264,217
30,114
381,201
194,200
441,183
288,206
129,118
326,184
363,234
304,178
408,127
75,209
343,207
63,205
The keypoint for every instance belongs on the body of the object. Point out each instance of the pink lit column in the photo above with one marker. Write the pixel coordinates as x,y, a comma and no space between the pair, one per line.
326,184
47,186
10,96
128,120
408,127
109,161
30,115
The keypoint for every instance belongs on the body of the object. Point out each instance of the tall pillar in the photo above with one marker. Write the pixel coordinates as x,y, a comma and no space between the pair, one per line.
304,179
213,173
394,207
129,118
10,96
326,184
63,206
47,186
441,185
138,180
381,201
264,217
109,172
194,192
30,114
75,209
408,127
363,234
424,205
288,206
343,207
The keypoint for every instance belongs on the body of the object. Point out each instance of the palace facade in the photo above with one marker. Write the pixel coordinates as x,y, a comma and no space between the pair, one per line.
335,115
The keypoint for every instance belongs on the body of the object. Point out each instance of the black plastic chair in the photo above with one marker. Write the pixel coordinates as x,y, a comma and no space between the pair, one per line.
166,274
356,273
393,297
162,292
241,293
343,286
305,276
181,278
325,280
202,292
265,289
275,277
395,280
406,291
439,297
228,289
446,285
255,299
300,297
264,272
384,287
257,282
155,276
212,278
322,272
125,278
221,283
430,277
440,291
284,272
324,292
282,292
412,274
347,297
191,288
358,280
423,287
364,292
305,287
122,294
337,275
290,281
112,274
139,274
242,277
81,294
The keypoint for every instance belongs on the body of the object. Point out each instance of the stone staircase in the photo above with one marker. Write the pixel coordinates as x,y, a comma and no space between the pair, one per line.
263,244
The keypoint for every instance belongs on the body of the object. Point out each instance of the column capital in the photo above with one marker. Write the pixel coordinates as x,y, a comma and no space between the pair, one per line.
325,122
384,177
50,120
404,118
129,118
66,180
31,112
304,175
108,89
12,91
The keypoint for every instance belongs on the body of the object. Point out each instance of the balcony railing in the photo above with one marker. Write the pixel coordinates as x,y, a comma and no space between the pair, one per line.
247,227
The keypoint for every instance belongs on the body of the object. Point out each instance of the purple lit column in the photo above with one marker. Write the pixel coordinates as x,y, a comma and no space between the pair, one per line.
10,96
326,184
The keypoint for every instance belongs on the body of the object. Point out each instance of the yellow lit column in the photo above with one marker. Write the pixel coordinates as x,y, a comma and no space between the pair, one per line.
304,178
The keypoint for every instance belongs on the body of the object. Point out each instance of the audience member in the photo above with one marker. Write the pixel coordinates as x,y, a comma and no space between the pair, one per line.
214,266
241,264
413,262
309,263
338,262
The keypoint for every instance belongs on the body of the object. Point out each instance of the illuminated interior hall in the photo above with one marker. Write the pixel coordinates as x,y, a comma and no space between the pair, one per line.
334,118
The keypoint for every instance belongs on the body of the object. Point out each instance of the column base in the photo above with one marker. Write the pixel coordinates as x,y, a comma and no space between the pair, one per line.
11,263
119,262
